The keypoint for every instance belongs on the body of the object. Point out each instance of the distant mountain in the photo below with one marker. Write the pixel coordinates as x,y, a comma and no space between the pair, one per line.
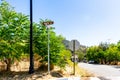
69,45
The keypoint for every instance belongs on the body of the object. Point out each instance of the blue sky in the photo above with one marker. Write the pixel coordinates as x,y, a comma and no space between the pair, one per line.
88,21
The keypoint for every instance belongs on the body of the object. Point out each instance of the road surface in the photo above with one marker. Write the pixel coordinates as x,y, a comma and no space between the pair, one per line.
103,71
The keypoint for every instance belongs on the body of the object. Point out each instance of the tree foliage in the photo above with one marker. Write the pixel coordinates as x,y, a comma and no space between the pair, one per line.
41,42
14,38
81,52
104,53
13,27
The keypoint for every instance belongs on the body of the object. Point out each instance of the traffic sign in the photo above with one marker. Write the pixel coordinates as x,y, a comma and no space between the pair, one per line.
77,45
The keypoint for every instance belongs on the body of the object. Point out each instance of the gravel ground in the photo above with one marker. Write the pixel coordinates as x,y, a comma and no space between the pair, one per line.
41,75
26,76
37,75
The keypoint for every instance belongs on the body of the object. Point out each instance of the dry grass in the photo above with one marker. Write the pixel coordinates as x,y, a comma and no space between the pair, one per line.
41,74
83,72
80,71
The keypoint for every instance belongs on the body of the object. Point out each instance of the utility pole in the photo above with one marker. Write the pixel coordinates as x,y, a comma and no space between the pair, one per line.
74,55
31,68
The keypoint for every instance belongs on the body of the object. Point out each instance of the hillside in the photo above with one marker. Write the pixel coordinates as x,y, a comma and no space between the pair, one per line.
69,45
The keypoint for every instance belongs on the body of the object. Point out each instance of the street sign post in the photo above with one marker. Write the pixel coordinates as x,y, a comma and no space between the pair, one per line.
74,45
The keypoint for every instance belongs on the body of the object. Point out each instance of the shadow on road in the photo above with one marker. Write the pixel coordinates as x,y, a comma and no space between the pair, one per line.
116,66
103,78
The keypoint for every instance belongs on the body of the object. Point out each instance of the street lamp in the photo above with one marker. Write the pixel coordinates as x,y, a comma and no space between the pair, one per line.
47,23
31,68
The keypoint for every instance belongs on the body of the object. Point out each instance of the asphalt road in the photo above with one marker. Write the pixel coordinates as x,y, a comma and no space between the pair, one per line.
103,71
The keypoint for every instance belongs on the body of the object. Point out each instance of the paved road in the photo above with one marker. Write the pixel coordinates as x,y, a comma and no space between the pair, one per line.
104,71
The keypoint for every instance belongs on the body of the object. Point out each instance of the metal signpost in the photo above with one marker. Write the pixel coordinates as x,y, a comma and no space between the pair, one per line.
74,45
74,55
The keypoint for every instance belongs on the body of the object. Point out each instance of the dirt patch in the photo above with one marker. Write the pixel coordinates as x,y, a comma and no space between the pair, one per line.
38,75
21,73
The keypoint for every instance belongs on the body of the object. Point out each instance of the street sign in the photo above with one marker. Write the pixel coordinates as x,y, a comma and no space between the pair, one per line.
77,45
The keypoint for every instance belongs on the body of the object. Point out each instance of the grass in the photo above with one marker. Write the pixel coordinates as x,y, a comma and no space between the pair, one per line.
41,74
80,71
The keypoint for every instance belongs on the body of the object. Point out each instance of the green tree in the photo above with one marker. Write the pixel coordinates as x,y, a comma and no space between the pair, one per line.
103,47
14,38
56,44
13,29
113,54
96,53
81,52
92,53
104,53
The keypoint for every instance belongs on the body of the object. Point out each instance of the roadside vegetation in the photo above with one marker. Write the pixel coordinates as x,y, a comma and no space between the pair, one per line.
14,39
14,45
104,53
14,49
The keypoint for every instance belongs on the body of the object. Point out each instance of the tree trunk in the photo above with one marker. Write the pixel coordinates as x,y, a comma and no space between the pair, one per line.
8,62
51,66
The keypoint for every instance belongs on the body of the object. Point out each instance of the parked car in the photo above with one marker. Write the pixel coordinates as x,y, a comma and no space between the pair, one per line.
91,62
